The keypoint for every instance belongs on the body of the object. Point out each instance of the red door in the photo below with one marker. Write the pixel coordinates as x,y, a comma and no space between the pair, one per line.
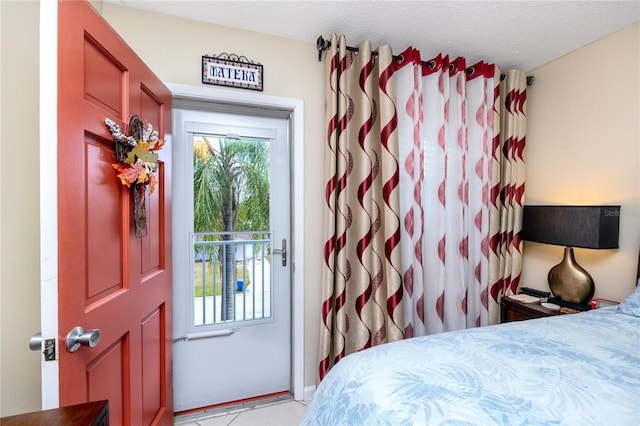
109,279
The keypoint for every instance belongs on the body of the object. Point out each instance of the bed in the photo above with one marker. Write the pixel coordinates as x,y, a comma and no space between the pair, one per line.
573,369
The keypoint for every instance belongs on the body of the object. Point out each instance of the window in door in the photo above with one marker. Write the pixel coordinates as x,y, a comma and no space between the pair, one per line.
231,238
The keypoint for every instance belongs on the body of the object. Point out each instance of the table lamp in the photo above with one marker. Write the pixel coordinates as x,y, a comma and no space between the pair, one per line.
594,227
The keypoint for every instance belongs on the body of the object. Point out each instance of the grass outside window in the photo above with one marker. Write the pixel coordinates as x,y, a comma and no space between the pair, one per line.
198,272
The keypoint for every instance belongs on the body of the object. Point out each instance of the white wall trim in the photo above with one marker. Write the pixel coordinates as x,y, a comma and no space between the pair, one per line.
308,392
296,107
49,196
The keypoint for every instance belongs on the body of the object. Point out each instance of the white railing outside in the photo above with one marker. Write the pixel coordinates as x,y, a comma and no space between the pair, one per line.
251,277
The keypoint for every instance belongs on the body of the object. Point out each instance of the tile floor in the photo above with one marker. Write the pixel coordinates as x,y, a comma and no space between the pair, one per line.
278,413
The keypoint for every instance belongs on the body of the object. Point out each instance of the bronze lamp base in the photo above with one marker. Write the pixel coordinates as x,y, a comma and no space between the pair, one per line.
569,282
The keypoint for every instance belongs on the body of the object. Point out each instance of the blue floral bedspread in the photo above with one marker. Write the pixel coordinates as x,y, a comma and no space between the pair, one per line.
573,369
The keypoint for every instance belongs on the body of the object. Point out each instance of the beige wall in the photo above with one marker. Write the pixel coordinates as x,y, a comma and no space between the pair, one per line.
573,132
583,147
19,208
291,69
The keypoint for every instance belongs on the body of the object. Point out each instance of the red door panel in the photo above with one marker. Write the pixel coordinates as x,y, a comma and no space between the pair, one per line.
152,111
103,223
108,368
109,279
152,356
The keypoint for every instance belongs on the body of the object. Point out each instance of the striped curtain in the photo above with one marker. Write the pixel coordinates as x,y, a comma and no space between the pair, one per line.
423,196
362,285
507,188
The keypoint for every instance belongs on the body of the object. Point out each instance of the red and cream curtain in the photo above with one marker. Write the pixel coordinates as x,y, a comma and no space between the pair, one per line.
423,196
507,189
362,282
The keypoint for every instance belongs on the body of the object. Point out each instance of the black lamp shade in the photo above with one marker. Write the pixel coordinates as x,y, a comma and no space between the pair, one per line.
595,227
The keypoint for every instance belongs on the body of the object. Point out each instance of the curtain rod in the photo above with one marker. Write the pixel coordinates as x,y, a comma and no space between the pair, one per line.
322,45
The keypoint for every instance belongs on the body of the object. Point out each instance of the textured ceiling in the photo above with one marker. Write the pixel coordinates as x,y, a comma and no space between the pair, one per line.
511,34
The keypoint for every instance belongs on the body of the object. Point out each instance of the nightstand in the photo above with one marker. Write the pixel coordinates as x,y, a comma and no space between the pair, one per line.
512,310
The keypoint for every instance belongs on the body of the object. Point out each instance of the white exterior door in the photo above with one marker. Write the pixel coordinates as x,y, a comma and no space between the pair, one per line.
230,346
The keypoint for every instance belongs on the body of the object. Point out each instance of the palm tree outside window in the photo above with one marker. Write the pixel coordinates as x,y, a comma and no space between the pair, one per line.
231,194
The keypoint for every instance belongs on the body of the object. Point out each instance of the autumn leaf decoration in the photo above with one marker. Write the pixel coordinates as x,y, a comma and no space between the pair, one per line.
137,153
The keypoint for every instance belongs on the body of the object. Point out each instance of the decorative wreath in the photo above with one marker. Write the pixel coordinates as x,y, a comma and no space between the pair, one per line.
136,153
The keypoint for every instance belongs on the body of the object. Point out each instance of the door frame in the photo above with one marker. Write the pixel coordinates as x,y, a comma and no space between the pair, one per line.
48,119
296,109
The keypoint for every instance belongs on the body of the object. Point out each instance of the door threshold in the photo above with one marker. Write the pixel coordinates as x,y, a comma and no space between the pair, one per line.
232,407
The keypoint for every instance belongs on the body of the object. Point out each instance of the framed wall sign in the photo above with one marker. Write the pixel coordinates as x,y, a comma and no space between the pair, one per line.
233,71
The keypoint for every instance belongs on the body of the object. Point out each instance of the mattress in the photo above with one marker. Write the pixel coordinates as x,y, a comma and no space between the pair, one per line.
572,369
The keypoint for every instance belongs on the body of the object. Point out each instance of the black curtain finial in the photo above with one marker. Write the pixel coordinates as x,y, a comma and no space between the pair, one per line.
322,45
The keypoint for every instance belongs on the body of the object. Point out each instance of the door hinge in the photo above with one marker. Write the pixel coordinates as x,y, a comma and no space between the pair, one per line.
49,350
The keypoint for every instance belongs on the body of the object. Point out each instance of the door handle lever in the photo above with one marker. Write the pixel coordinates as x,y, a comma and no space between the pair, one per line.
282,252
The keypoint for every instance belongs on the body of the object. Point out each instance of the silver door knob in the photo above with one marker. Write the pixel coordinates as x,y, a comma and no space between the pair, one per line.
78,337
35,343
